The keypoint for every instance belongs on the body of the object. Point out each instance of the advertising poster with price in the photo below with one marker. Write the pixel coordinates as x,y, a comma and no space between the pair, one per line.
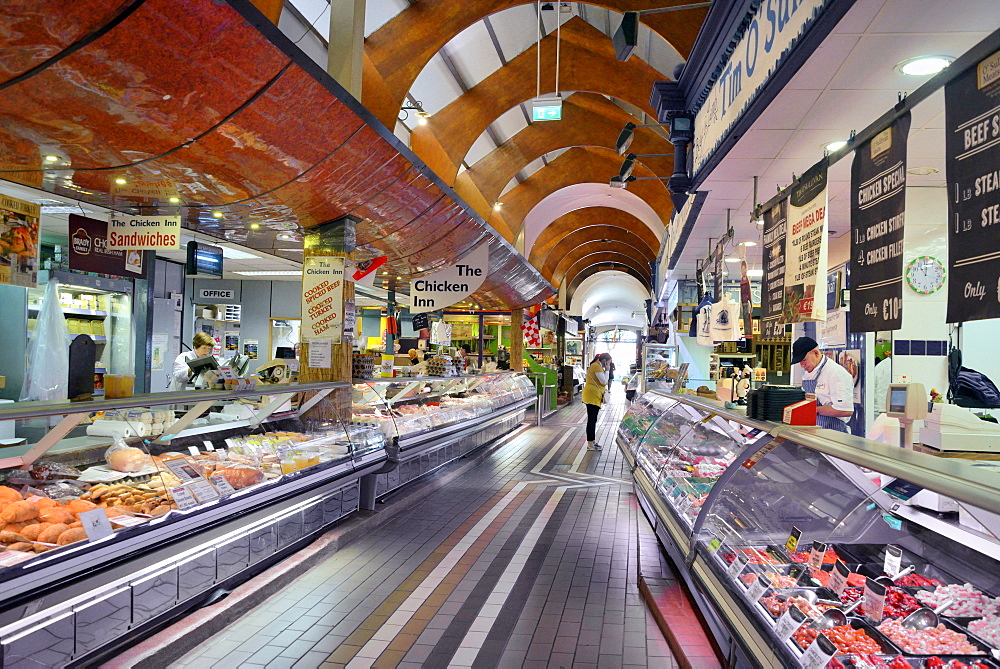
972,147
322,298
878,193
804,298
773,289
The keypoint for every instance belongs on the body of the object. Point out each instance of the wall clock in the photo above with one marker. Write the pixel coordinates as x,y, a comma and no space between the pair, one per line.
925,274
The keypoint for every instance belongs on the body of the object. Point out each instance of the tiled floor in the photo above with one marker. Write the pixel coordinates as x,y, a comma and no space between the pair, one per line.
529,561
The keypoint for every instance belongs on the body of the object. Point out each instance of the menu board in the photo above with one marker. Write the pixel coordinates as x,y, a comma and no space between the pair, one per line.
972,149
773,258
878,194
806,249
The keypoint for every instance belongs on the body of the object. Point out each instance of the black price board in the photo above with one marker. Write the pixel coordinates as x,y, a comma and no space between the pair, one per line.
773,259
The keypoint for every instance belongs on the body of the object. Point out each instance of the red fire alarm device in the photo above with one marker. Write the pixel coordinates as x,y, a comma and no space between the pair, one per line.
800,413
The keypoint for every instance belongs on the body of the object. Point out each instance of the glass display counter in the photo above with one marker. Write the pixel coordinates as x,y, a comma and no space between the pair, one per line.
759,517
657,362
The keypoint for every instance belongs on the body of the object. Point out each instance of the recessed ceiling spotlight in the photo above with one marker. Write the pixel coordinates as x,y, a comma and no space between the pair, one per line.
922,66
922,171
52,159
835,146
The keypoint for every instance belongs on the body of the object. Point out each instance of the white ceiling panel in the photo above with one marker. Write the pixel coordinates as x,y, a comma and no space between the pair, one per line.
819,70
788,109
760,144
930,113
435,87
515,29
377,12
510,123
479,148
935,16
925,145
848,109
859,17
473,55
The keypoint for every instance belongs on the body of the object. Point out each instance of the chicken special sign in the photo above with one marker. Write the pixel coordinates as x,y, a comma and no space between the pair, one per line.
805,249
322,298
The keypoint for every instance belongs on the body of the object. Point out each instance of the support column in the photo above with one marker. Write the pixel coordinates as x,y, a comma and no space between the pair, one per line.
345,57
516,340
482,341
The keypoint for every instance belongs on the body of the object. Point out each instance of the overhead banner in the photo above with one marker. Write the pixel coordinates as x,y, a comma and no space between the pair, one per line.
322,298
772,290
144,233
806,249
18,241
878,195
89,252
450,285
972,148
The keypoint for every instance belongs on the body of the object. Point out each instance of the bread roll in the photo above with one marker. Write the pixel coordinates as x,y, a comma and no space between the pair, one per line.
71,536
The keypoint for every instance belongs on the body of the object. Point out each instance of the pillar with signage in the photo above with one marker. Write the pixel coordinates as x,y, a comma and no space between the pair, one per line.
326,296
516,340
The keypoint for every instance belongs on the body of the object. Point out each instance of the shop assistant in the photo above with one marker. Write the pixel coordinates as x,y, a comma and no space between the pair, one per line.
202,345
831,383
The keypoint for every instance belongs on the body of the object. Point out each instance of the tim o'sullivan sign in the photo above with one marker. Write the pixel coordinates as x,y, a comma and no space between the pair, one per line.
145,233
450,285
322,298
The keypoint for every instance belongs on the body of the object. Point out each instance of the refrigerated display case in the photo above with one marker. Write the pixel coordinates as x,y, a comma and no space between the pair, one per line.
657,361
208,489
725,495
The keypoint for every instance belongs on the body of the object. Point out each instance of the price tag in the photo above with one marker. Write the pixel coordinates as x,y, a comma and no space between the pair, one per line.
817,554
819,653
757,588
838,577
209,446
203,490
222,485
789,621
227,373
793,539
874,600
221,452
128,521
182,469
11,558
183,497
193,450
736,568
230,443
893,560
96,524
715,544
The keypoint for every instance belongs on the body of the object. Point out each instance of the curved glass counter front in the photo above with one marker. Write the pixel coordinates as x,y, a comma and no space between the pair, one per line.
861,507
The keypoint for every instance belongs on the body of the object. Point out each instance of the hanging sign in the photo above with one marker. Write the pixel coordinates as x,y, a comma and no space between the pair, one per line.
805,244
769,37
972,148
18,241
322,298
365,272
452,284
89,252
144,233
878,194
772,291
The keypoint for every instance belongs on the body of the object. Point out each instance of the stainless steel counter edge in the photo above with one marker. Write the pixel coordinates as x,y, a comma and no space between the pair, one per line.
951,477
37,409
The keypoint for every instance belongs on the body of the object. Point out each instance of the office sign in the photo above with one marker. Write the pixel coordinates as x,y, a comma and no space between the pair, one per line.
768,38
772,289
972,149
452,284
144,233
806,249
878,194
89,252
322,298
215,296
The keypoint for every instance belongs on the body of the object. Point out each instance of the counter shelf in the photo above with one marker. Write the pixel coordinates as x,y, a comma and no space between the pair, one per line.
777,476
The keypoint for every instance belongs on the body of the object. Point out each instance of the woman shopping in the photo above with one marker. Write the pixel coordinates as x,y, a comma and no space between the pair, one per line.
593,395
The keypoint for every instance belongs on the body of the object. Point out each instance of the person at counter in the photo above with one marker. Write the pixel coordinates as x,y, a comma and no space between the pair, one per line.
414,357
594,389
202,345
831,383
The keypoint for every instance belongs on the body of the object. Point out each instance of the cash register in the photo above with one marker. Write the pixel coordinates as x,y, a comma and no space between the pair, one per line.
953,428
907,402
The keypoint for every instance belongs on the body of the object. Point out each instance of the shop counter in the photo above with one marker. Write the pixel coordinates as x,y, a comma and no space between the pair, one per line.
750,511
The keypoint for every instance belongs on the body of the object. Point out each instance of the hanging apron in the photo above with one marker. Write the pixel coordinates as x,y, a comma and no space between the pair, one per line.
829,422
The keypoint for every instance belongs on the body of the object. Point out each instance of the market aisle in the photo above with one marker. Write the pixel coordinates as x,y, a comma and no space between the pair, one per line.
530,560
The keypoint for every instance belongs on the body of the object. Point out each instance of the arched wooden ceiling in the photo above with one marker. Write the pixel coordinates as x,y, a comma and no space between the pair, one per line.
634,247
596,251
596,223
588,64
583,274
578,165
588,119
401,48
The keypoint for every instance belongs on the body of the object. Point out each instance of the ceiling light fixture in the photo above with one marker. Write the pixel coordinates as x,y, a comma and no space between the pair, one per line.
498,205
216,214
922,171
120,181
733,260
835,146
273,272
748,243
52,159
922,66
416,107
255,226
755,273
236,254
174,200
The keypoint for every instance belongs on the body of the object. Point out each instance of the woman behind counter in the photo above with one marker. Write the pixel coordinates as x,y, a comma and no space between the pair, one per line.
593,395
202,345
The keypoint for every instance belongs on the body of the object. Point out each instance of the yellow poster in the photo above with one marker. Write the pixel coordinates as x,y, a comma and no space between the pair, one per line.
18,241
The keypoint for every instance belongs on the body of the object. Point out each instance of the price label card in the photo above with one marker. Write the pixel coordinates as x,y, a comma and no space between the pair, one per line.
182,469
128,521
793,539
222,485
193,450
817,554
227,373
819,653
203,490
183,497
789,621
96,524
716,543
11,558
209,446
838,577
893,560
757,588
736,568
874,600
